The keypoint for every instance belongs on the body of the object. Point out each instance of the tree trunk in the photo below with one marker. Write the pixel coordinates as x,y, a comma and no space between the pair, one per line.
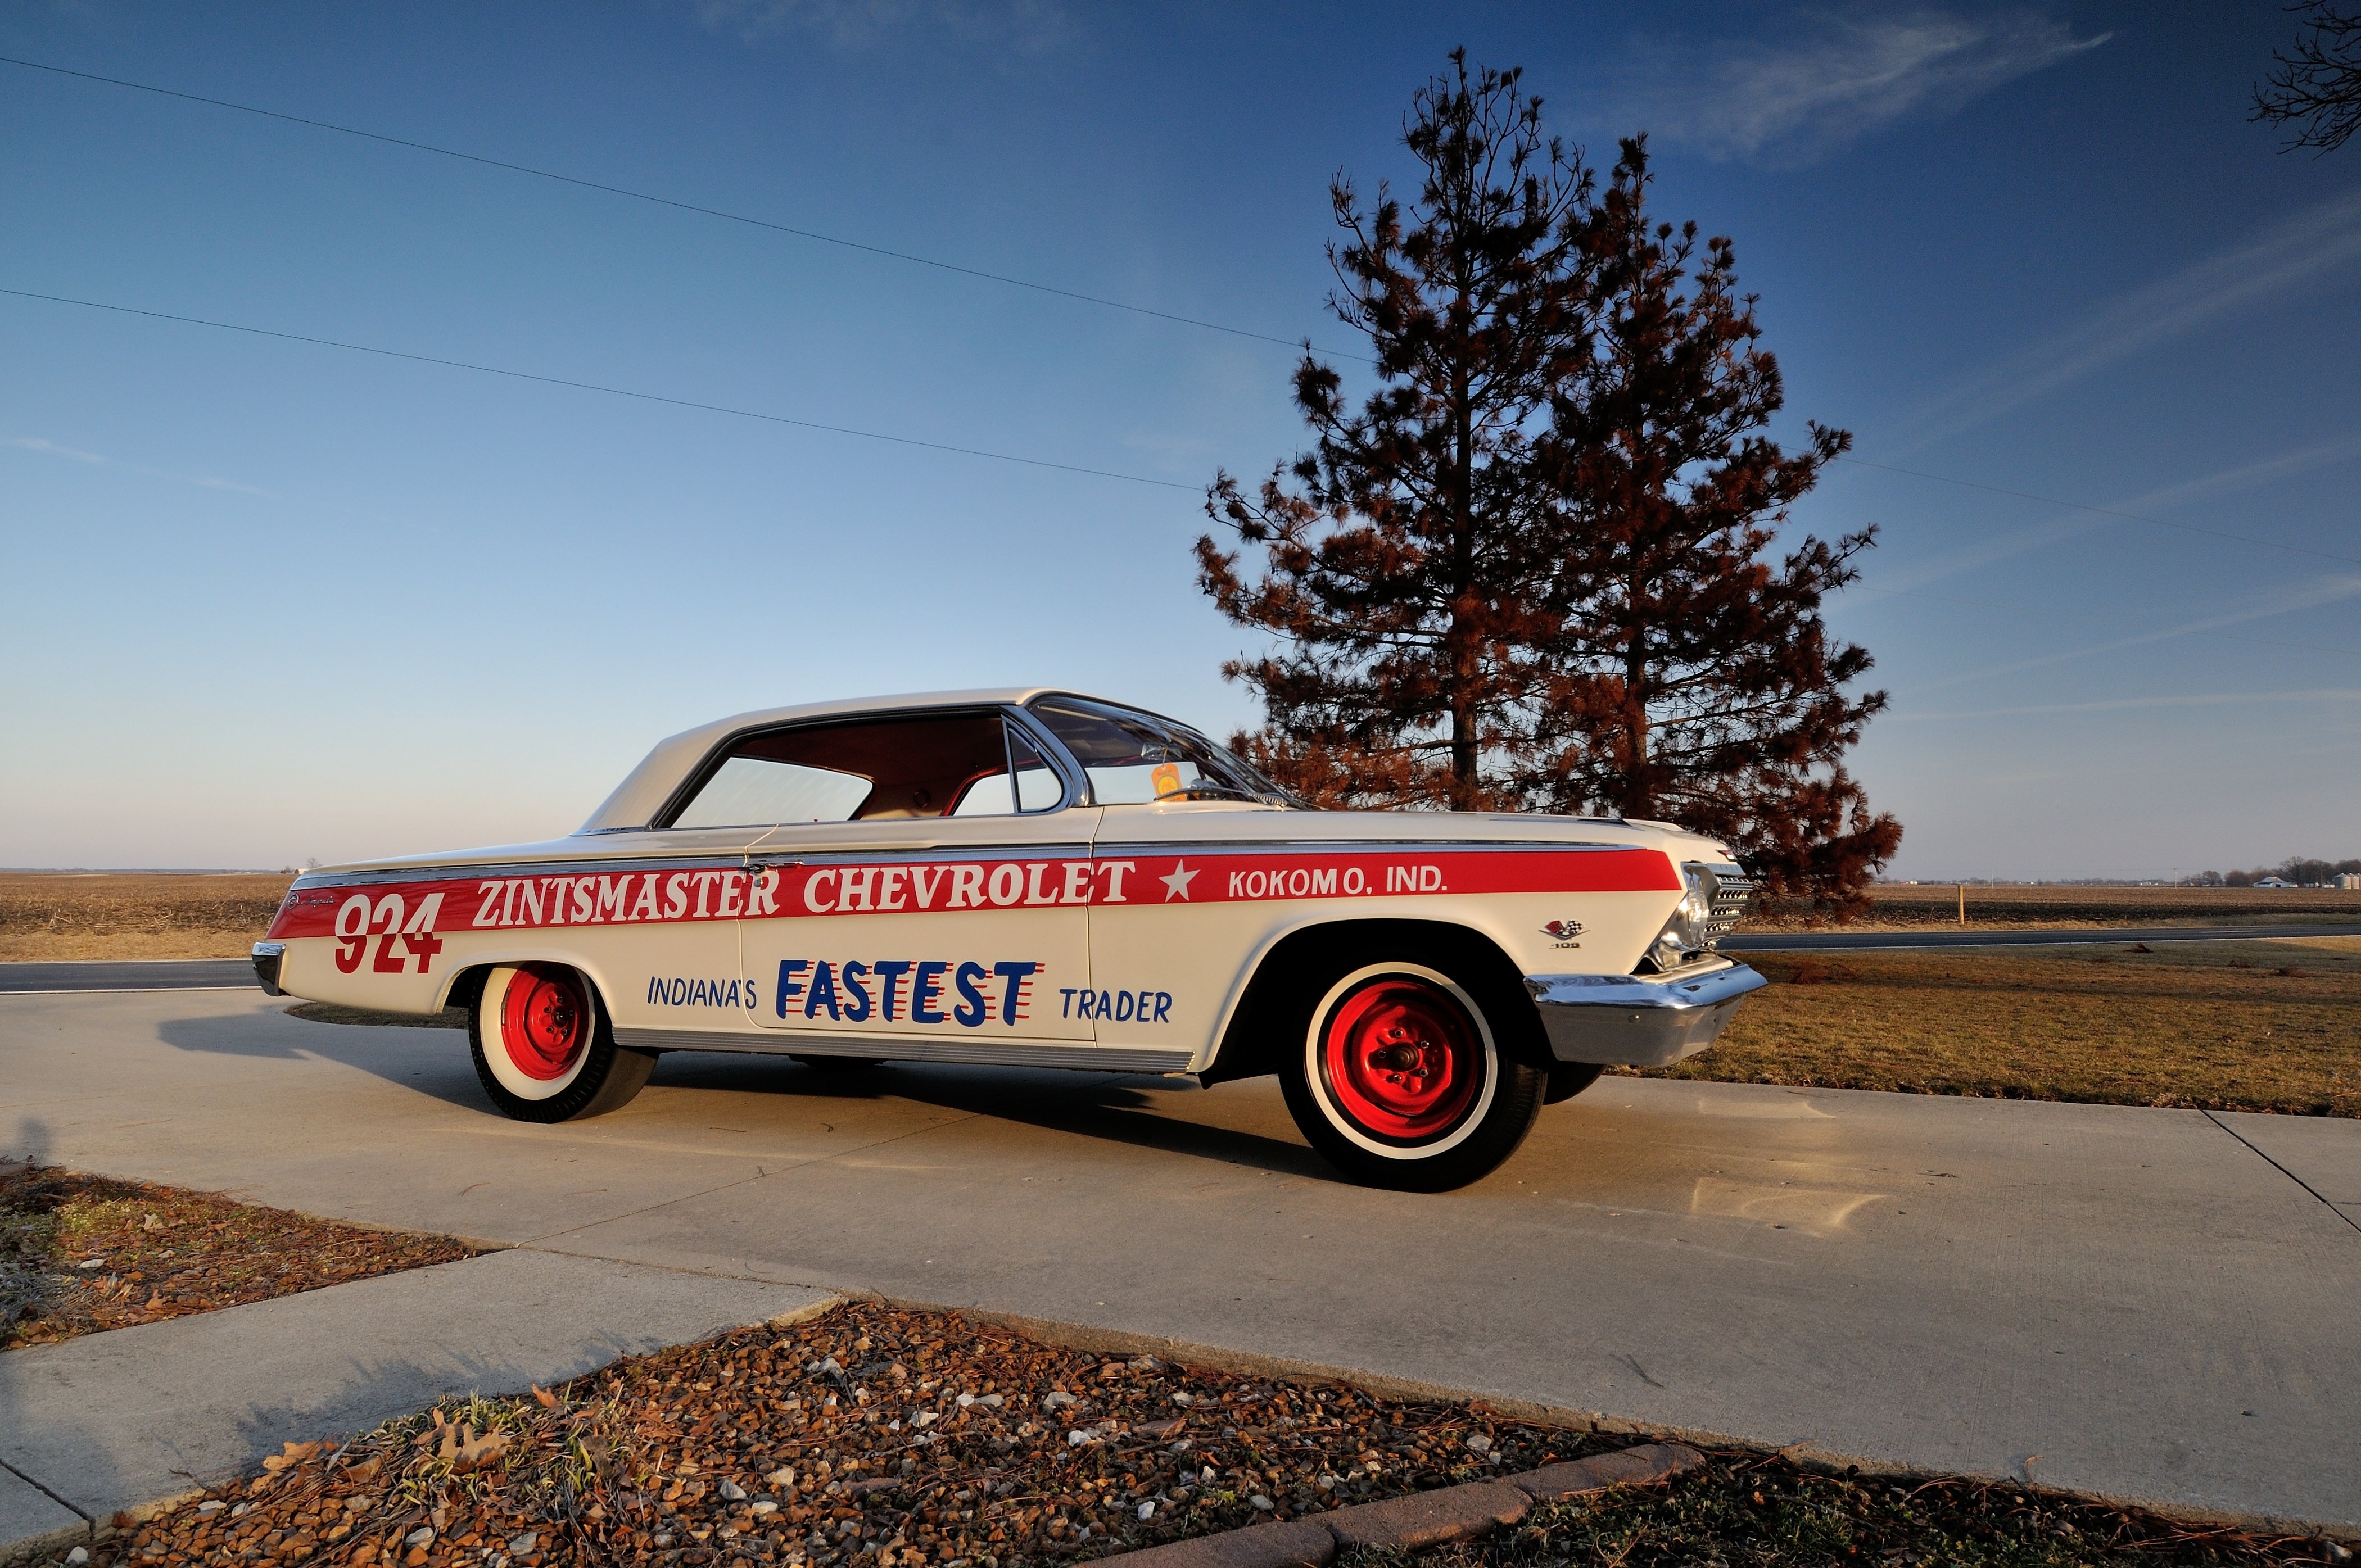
1461,633
1638,791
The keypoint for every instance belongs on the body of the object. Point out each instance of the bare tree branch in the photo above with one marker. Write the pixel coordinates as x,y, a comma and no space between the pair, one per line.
2316,85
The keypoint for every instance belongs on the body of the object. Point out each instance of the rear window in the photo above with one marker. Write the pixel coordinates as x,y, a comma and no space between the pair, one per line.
935,764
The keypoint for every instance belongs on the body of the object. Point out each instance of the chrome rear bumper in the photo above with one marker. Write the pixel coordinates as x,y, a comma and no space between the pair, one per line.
1631,1020
267,956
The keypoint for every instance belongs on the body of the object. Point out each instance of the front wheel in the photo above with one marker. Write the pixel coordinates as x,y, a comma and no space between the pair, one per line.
1401,1080
545,1049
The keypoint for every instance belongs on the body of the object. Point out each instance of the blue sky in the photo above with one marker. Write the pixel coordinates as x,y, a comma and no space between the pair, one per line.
268,601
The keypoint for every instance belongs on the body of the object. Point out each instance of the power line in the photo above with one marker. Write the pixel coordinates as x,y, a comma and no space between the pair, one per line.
666,201
945,266
594,387
2103,511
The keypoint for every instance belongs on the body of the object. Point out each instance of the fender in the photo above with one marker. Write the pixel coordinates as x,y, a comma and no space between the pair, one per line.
1235,1054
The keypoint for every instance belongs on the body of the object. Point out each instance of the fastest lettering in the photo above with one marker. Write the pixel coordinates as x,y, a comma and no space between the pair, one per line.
923,991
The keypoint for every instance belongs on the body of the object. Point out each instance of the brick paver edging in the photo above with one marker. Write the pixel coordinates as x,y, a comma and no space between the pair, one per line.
1420,1519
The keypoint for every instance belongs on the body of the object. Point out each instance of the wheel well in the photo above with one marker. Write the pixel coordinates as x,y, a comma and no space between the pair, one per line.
1253,1042
468,987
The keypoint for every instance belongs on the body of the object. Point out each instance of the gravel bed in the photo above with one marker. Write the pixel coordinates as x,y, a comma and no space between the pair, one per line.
79,1254
1750,1509
882,1437
901,1438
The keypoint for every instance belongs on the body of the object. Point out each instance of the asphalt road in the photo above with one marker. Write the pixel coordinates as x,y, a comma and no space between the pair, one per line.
157,974
210,974
2153,1304
1827,941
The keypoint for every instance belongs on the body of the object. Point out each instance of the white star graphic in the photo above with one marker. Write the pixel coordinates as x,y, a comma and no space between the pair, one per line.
1176,886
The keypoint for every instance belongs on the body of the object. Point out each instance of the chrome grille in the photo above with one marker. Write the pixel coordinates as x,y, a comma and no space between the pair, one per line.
1731,888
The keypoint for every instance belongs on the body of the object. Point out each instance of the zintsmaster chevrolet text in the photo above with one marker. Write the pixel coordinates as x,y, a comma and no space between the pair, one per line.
1034,878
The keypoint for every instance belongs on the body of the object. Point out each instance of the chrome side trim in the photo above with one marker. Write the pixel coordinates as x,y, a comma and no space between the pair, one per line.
268,956
899,1048
782,854
1351,846
1638,1020
487,871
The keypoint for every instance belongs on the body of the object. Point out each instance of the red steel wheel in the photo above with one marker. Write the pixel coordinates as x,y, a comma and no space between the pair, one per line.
1401,1057
544,1021
1415,1070
544,1048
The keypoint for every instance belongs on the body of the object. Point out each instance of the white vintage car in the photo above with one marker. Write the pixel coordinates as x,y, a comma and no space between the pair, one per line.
1033,878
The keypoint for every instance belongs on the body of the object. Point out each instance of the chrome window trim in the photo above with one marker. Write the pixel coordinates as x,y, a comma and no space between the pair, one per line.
1061,762
1085,798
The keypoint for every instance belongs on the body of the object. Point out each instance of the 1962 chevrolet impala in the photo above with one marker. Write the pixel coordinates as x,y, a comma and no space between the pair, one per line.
1039,879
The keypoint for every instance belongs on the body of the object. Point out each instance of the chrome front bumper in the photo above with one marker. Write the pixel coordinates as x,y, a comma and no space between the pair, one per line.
1631,1020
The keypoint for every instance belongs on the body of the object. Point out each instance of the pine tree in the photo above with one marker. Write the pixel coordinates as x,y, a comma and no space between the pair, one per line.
1691,677
1534,569
1399,568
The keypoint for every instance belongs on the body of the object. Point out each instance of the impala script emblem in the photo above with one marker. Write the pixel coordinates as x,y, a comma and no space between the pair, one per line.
1564,931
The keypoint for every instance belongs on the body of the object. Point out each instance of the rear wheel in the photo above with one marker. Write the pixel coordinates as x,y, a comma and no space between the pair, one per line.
544,1048
1401,1080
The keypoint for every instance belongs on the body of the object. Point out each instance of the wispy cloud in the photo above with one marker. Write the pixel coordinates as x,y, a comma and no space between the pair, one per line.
2323,241
1026,25
2244,477
2322,593
51,448
1993,548
48,448
2126,703
1792,101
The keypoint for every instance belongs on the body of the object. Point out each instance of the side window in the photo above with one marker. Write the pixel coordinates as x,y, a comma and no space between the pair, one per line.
1134,757
935,764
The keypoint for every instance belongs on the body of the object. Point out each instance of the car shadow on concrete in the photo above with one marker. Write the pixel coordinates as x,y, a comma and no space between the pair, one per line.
1117,1107
428,1060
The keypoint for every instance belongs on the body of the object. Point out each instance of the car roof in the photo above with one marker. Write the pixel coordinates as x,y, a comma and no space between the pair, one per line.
643,793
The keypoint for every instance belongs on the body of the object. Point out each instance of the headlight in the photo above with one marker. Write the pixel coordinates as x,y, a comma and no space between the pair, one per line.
1712,897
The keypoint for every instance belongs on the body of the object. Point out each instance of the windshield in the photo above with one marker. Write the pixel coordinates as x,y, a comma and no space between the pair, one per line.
1132,758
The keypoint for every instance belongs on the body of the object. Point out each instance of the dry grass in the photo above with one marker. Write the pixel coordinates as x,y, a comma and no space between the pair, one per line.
2225,1025
1898,907
117,915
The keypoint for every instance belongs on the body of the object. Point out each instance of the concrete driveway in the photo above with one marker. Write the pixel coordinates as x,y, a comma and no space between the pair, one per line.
2155,1305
